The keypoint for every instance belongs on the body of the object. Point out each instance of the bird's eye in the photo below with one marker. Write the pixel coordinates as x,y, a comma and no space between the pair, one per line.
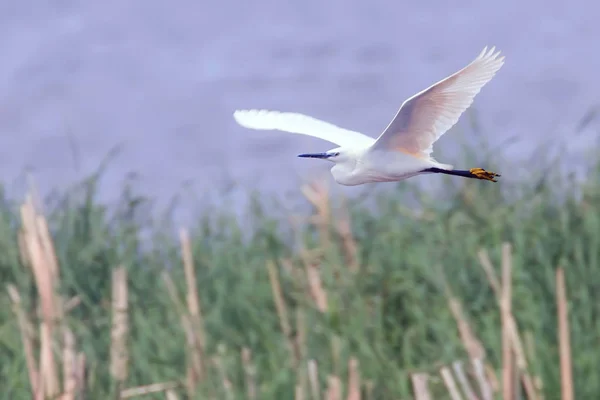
335,154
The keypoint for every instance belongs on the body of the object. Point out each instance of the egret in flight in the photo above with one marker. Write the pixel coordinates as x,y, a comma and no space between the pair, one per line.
404,148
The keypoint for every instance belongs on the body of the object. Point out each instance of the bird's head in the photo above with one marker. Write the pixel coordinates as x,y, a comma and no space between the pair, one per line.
337,155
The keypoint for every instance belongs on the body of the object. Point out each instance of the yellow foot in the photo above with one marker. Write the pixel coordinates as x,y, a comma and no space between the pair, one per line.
481,173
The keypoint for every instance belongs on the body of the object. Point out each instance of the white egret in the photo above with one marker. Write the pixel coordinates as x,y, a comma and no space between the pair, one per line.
404,148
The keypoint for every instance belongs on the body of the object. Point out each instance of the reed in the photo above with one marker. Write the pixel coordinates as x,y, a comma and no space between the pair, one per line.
357,304
119,354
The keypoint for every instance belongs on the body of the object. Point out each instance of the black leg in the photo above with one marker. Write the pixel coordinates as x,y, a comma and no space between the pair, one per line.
475,173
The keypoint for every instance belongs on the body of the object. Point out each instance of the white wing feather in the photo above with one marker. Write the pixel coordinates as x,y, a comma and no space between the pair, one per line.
301,124
426,116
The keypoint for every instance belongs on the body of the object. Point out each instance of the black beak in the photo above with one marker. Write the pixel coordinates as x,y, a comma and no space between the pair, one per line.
315,155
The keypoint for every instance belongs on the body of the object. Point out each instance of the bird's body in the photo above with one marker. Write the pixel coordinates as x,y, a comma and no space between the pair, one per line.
378,166
404,148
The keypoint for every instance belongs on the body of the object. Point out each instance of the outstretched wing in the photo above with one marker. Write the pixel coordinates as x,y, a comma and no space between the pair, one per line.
301,124
425,117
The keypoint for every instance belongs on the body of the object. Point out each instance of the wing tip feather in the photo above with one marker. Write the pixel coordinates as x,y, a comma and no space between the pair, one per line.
246,117
490,60
490,55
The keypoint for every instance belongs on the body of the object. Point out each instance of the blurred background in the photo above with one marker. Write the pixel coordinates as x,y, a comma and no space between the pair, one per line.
160,81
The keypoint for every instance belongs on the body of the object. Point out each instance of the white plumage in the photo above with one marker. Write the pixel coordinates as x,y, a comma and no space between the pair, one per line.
301,124
405,146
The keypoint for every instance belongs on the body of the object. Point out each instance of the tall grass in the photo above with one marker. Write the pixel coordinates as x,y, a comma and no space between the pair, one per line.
492,293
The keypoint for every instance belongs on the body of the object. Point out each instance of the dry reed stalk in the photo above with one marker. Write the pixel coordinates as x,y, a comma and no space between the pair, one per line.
249,373
370,388
334,388
492,378
566,373
298,273
315,286
300,346
298,393
313,378
37,239
195,331
312,284
171,395
353,380
336,352
296,222
45,270
450,383
317,194
193,361
47,362
472,344
488,268
148,389
40,395
23,252
282,311
225,381
27,338
80,375
537,380
459,371
119,356
47,247
484,386
344,229
288,266
69,366
70,304
300,334
193,366
420,386
506,312
515,337
171,289
279,299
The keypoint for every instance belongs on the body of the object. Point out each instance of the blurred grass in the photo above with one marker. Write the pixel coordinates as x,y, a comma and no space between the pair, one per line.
386,270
